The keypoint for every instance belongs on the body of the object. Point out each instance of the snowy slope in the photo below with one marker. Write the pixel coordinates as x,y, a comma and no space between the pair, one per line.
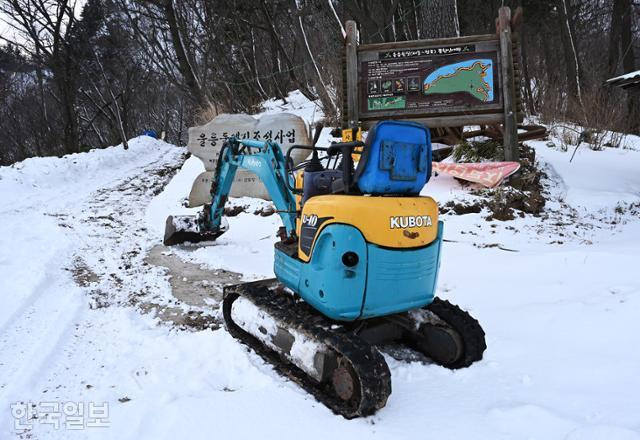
560,311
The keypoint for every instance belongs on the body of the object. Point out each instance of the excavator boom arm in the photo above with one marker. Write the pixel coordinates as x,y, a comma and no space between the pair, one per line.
263,158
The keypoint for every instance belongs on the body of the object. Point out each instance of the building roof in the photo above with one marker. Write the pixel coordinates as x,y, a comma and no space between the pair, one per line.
628,80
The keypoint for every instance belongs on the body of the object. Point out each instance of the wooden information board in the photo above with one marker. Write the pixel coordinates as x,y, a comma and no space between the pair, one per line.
450,82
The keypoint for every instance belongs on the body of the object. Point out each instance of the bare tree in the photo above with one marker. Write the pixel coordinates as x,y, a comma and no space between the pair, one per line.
45,28
185,58
574,70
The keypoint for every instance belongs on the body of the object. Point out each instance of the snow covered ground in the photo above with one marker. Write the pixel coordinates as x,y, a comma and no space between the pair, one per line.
560,309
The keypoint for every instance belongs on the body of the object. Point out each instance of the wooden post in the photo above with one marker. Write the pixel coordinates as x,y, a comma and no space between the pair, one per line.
508,86
352,73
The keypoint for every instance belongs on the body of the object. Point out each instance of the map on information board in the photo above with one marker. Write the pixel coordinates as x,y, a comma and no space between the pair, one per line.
474,77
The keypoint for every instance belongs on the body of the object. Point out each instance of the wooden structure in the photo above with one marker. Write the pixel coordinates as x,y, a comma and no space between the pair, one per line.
416,80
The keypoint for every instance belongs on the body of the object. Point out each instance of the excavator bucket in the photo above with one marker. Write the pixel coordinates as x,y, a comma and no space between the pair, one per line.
186,229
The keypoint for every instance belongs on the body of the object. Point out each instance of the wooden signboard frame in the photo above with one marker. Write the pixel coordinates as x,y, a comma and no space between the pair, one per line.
505,107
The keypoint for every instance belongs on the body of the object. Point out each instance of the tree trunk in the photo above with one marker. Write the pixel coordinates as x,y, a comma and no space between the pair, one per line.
374,19
526,79
292,75
626,38
65,85
574,71
116,107
187,70
328,105
278,78
439,19
614,36
629,62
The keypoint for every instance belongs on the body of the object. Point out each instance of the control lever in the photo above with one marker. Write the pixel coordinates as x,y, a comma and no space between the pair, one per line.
346,149
317,133
314,163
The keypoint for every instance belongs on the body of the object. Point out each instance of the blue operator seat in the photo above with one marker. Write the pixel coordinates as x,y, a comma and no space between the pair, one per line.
396,159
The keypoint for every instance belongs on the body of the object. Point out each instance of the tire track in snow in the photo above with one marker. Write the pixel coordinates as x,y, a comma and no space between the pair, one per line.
22,308
28,344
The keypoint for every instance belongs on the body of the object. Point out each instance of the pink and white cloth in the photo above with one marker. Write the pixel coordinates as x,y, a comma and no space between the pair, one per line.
489,174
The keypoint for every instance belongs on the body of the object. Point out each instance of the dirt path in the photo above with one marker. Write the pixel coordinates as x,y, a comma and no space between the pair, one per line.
119,264
198,287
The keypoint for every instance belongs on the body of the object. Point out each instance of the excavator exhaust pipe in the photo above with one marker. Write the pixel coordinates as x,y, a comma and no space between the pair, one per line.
185,229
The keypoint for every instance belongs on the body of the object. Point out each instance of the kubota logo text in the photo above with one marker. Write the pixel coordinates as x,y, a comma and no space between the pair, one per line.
410,221
252,162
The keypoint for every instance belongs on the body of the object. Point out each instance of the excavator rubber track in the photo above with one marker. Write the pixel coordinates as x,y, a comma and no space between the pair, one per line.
364,361
468,329
441,331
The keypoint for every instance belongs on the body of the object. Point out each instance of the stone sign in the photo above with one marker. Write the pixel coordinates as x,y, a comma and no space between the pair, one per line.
206,140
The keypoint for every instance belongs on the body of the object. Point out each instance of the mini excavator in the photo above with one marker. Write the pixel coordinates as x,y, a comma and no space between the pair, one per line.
356,264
